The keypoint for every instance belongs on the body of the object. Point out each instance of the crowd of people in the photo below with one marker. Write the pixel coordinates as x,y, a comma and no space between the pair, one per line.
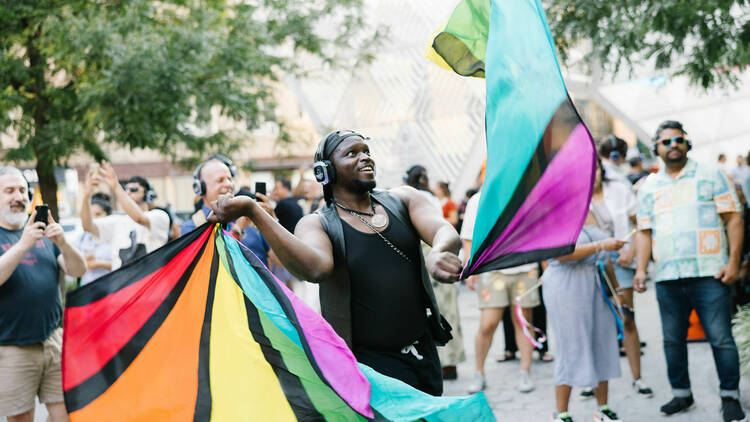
380,266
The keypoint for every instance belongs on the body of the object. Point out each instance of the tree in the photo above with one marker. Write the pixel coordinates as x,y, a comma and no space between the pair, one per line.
78,74
706,40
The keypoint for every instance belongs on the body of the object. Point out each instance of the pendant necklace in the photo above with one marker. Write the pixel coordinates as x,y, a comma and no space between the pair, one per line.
378,220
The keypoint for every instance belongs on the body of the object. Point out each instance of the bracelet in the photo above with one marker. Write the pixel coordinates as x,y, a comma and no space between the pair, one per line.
597,246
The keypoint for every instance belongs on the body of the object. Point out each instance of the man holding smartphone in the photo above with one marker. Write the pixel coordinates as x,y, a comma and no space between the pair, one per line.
212,178
32,254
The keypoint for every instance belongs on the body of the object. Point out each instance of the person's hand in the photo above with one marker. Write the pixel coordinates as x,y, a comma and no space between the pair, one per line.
32,232
92,181
91,262
471,282
54,231
639,281
729,274
228,208
444,267
625,258
612,244
108,175
266,204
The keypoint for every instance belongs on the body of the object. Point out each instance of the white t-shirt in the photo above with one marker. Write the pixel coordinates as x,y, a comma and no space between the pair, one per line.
130,240
467,231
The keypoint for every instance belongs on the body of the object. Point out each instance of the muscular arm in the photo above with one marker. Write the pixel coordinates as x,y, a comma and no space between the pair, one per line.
442,263
429,221
307,253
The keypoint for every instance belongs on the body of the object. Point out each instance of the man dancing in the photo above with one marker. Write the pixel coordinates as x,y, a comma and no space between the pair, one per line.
363,248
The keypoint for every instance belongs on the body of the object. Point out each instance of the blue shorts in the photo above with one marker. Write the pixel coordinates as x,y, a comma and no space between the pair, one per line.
624,275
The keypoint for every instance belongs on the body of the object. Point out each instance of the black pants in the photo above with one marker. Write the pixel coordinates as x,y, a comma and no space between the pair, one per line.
423,374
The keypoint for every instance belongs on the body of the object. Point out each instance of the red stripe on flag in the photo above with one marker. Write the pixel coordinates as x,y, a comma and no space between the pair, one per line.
113,320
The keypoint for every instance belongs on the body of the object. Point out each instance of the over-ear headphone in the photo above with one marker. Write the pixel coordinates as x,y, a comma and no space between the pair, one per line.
29,189
199,186
325,172
614,155
150,195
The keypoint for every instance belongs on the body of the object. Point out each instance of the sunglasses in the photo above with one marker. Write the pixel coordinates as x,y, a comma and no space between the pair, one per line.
677,139
132,188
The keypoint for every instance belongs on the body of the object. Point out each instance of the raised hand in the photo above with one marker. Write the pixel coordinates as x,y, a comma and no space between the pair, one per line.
54,231
32,232
228,208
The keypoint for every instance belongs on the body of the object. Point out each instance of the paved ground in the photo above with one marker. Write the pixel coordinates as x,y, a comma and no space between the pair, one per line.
511,405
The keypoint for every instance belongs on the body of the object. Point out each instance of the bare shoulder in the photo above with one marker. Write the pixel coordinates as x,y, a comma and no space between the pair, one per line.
309,223
405,193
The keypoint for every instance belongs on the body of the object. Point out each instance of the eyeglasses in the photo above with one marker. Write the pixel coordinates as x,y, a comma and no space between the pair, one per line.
132,188
668,142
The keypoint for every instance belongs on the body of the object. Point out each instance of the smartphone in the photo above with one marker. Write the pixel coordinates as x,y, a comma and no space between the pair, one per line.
41,213
260,187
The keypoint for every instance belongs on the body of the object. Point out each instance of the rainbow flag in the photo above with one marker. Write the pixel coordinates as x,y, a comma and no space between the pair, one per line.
540,155
200,330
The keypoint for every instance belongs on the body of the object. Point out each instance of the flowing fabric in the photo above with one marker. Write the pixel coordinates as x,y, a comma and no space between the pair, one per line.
201,330
540,156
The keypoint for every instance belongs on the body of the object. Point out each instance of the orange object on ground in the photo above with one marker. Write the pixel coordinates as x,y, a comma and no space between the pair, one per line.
695,330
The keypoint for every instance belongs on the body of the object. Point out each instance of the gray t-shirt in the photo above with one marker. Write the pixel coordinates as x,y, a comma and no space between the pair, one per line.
30,301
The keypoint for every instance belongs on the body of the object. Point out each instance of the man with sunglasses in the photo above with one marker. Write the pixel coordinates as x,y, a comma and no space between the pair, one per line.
689,217
130,236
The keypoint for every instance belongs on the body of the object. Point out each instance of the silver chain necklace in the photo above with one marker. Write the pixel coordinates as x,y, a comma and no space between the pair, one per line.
398,251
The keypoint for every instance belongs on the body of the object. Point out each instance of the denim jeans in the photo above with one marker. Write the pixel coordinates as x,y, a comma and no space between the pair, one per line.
710,299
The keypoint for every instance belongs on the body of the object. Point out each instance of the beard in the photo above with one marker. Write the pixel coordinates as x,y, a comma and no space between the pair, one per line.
14,218
361,186
674,159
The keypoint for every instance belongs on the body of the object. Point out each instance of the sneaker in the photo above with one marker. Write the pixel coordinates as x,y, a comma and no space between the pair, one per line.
525,384
677,405
477,384
732,410
605,414
586,394
561,417
642,389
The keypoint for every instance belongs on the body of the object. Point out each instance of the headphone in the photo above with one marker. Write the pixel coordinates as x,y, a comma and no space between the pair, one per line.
199,185
150,195
614,155
325,172
29,189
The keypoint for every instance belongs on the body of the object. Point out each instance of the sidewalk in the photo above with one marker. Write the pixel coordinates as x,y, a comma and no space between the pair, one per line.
511,405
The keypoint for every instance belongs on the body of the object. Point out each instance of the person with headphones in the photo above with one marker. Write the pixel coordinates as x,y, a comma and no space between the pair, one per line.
690,217
612,151
211,178
363,248
130,236
33,253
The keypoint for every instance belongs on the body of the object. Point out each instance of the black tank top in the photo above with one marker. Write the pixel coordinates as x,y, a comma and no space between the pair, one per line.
387,299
